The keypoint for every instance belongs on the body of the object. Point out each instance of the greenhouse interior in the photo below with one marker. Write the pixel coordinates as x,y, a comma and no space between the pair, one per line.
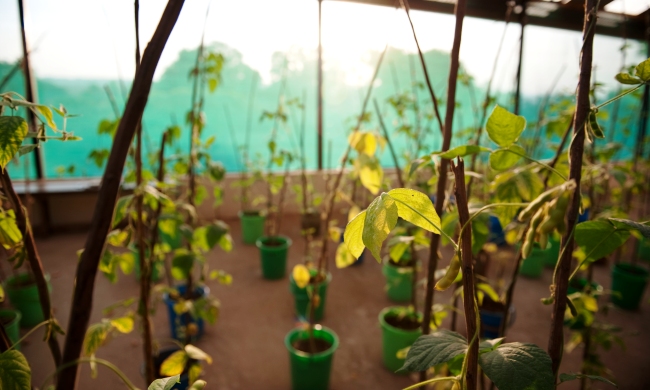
324,194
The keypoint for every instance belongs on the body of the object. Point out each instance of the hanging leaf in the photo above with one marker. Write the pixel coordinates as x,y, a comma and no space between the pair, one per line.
123,324
643,70
518,366
301,275
15,373
363,142
626,78
174,364
13,130
502,159
197,354
352,236
381,218
95,337
10,235
416,208
436,348
370,173
504,127
343,256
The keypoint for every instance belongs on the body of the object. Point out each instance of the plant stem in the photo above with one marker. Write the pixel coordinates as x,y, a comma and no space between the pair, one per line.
33,259
29,332
576,151
103,362
442,173
469,301
430,381
405,5
81,306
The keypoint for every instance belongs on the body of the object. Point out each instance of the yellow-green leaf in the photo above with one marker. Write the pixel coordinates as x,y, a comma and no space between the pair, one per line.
504,127
47,114
13,130
343,257
626,78
353,236
416,207
503,159
301,275
643,70
381,218
197,354
174,364
198,385
123,324
462,151
10,235
194,372
363,142
95,337
370,173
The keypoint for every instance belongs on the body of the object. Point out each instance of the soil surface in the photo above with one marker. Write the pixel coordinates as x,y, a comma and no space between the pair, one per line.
247,342
306,346
403,322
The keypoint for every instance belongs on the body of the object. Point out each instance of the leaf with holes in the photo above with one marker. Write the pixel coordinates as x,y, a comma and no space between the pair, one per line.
381,218
433,349
15,373
502,159
518,366
13,130
416,207
353,236
504,127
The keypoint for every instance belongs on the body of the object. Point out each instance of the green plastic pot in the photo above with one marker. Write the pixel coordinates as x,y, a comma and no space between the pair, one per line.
311,371
273,253
628,283
252,226
395,339
552,252
11,322
302,300
24,297
533,265
399,282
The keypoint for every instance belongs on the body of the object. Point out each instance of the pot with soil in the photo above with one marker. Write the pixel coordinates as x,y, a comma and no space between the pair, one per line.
302,299
399,279
310,223
183,324
23,295
628,283
273,253
252,226
11,322
491,314
399,328
311,359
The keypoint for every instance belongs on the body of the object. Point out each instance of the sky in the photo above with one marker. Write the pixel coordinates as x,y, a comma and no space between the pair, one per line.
81,39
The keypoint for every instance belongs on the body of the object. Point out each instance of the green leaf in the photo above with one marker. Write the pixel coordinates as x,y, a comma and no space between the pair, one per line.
643,70
10,235
13,130
206,237
436,348
570,377
47,114
416,207
462,151
174,364
599,238
503,127
164,383
195,353
121,209
626,78
194,372
15,373
381,218
353,234
24,149
518,366
182,264
644,229
198,385
502,159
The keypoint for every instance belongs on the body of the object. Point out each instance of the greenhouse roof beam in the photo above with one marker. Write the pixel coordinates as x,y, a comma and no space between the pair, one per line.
566,15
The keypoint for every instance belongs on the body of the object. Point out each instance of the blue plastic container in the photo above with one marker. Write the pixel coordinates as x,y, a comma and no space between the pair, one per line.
491,322
178,323
497,236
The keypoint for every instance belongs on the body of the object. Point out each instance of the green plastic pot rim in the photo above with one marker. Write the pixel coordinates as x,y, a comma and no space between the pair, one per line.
17,316
260,243
317,327
260,215
10,280
384,324
625,269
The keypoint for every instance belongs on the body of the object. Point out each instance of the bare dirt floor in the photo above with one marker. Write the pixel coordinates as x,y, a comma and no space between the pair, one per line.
247,343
